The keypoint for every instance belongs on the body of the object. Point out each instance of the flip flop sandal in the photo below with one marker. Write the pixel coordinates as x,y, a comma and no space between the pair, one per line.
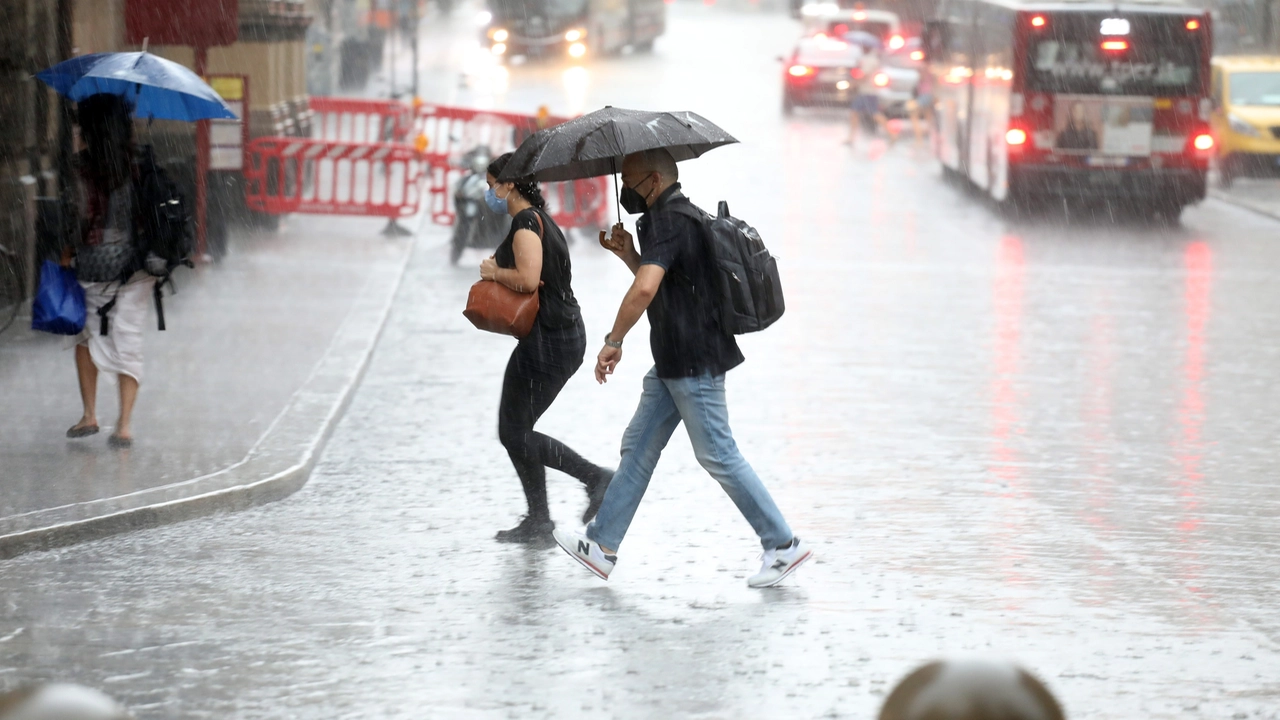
79,432
118,442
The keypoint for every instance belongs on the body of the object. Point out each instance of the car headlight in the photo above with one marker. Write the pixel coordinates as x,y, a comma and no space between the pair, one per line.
500,35
1240,127
574,35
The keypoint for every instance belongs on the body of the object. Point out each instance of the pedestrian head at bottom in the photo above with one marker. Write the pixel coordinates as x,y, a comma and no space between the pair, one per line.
60,701
970,690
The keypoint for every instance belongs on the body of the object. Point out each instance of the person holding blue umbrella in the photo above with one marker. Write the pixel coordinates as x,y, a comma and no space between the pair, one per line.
111,259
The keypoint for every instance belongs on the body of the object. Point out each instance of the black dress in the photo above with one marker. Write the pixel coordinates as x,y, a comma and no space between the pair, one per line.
540,366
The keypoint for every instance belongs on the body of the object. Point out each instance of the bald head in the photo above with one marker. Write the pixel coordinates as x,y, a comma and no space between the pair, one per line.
970,691
650,173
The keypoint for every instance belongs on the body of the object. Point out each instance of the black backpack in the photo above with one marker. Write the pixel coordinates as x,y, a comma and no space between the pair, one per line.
746,274
164,236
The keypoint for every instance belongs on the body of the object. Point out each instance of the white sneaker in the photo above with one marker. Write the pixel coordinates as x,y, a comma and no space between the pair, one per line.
778,564
586,551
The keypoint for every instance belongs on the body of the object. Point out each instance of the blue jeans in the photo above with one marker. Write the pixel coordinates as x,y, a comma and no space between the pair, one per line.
699,402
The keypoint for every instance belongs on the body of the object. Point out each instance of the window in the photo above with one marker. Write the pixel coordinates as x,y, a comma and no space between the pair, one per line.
1162,58
1256,88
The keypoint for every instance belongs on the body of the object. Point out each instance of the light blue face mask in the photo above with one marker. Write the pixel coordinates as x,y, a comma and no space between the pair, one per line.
495,203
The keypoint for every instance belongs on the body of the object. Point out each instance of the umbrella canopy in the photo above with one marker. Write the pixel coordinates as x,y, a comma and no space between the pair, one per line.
157,88
594,144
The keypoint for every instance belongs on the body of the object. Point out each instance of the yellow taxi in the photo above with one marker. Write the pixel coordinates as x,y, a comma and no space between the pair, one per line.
1246,116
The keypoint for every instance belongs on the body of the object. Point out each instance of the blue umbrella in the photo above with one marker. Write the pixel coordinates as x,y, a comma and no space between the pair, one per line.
157,88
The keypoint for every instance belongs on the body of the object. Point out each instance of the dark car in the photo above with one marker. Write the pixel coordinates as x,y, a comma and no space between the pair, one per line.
819,73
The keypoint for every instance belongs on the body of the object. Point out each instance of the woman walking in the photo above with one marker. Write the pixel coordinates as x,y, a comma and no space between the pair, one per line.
535,258
116,288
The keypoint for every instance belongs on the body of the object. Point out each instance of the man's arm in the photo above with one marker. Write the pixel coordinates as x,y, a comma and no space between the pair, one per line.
636,301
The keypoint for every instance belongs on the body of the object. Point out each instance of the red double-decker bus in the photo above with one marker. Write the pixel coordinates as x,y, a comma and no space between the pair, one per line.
1061,100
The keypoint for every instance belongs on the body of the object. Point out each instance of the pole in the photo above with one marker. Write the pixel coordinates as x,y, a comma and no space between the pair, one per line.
395,22
416,18
202,163
66,138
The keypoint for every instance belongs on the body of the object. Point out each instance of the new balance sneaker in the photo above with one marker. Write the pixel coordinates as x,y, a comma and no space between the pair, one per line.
586,551
780,563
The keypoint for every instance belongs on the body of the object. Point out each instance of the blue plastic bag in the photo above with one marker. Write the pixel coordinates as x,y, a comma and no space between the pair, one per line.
59,304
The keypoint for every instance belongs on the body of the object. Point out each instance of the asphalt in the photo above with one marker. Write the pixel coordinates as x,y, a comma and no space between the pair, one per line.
1260,195
261,352
1043,441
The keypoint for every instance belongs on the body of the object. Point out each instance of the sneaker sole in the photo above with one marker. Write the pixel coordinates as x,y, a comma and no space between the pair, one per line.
785,573
583,562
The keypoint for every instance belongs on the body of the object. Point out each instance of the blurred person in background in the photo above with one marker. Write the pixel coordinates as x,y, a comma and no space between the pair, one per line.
970,690
117,288
535,258
864,110
921,106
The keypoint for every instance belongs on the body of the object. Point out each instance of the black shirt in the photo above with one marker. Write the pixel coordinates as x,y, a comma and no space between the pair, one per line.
685,333
557,307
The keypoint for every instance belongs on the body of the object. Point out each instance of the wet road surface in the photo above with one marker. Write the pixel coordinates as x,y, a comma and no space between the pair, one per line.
1054,444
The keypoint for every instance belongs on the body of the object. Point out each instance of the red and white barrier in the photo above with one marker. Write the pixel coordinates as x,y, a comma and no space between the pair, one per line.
380,157
361,121
293,175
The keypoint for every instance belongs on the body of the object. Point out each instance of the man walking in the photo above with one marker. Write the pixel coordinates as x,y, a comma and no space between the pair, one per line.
674,283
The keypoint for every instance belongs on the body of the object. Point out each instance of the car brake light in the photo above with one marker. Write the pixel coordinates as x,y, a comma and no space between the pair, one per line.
1203,141
841,30
859,16
1115,45
1193,24
800,70
896,42
917,55
1016,136
881,80
1038,21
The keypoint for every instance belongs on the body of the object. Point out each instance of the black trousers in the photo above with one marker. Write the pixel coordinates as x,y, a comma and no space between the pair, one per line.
539,368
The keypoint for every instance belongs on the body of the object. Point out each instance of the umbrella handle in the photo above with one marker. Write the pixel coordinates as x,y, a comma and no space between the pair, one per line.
616,201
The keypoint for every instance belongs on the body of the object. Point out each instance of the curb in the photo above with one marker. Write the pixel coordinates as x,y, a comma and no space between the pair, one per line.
277,466
1257,207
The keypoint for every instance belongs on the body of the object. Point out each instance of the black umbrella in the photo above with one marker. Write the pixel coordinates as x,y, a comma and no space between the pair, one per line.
594,144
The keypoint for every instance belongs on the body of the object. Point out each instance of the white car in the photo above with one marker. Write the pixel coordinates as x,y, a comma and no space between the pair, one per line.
829,19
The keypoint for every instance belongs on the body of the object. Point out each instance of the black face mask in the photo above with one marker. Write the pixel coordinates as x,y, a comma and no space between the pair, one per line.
632,201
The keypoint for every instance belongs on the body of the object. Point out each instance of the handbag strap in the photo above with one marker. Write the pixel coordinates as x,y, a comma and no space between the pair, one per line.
542,229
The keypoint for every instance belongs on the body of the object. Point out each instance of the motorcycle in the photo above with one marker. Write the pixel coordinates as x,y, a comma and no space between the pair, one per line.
475,225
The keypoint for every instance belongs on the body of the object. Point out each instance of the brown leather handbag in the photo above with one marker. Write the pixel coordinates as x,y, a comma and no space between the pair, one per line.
497,308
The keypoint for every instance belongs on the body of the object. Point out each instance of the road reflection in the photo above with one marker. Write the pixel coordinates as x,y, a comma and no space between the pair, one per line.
1189,448
1005,482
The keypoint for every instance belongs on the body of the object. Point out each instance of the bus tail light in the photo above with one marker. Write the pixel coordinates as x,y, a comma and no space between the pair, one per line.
881,80
1193,24
1203,141
1115,45
800,71
1016,137
1038,21
897,42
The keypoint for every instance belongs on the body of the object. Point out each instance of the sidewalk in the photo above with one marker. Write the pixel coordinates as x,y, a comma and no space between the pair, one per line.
1258,195
261,354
